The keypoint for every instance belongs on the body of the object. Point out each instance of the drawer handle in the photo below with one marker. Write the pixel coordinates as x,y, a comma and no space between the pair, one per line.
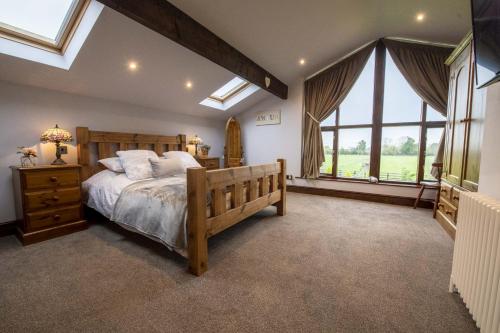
449,213
456,197
49,200
444,190
57,217
53,179
440,205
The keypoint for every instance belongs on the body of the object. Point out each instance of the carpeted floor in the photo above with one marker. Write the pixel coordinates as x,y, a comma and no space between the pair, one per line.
330,265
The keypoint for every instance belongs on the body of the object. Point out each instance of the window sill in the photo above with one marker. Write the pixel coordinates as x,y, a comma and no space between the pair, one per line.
362,181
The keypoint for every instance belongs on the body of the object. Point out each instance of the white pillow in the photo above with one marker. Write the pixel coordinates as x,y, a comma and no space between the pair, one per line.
167,167
186,158
136,163
113,164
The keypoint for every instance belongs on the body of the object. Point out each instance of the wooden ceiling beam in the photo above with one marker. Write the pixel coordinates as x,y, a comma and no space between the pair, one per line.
166,19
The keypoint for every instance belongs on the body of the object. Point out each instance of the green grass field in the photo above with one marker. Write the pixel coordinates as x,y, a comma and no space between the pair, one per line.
400,167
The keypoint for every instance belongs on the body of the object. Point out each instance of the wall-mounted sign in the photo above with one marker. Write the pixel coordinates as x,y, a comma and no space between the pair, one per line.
269,118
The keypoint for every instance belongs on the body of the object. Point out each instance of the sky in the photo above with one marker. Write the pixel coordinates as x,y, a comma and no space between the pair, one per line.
41,17
401,104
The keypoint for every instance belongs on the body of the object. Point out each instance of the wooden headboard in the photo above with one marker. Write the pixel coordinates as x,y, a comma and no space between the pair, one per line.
95,145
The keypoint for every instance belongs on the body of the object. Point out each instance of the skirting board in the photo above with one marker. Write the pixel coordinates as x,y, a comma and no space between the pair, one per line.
381,198
7,228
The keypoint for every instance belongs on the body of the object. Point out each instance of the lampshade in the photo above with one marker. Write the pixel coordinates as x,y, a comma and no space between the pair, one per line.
56,134
196,140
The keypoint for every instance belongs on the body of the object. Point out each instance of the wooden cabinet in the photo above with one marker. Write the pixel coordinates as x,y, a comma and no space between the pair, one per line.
464,128
48,202
211,163
457,112
464,133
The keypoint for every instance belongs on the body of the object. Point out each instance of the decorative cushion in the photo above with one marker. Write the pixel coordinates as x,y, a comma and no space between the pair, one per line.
167,167
186,158
136,163
113,164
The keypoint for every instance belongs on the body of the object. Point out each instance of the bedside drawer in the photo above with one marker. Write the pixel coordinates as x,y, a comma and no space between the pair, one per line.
448,210
51,198
51,179
46,218
212,164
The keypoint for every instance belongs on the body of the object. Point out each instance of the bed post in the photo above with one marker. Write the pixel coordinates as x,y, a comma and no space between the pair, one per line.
197,220
281,205
181,138
82,146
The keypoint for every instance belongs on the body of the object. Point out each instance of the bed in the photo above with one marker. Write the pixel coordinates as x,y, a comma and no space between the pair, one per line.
207,202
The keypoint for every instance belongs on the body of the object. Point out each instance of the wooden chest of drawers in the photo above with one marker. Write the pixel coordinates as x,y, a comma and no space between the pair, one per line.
48,202
211,163
449,199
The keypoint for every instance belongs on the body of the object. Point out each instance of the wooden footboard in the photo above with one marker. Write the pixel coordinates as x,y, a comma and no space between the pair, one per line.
251,188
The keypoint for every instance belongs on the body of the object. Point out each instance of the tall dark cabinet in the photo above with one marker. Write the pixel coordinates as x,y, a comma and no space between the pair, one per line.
464,133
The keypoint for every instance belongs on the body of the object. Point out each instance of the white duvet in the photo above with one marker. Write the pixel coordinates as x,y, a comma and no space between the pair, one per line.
103,189
153,207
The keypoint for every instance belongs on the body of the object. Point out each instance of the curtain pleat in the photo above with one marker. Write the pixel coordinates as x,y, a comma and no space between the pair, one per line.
322,95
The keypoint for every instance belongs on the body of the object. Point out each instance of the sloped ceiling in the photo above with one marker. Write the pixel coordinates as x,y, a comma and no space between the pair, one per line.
277,33
273,33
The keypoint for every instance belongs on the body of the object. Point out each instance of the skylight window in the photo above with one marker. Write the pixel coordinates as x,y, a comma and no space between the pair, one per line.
229,89
230,94
48,24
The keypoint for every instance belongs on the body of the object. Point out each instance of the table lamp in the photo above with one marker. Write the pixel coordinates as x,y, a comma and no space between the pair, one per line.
57,135
196,141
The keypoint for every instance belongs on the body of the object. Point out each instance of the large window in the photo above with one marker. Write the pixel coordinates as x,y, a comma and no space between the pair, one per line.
395,141
48,24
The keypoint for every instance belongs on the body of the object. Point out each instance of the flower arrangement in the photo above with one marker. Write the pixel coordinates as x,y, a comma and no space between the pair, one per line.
205,149
27,155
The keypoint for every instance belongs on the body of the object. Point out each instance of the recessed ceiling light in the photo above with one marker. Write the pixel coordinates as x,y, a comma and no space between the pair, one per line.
189,84
302,61
420,17
132,65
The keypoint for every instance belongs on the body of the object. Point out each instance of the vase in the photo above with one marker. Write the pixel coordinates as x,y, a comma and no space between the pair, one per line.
27,162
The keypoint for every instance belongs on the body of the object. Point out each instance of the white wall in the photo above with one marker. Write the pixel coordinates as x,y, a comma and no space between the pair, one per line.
25,112
489,176
263,144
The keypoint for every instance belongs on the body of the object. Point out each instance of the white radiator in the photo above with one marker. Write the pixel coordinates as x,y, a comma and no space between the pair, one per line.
476,259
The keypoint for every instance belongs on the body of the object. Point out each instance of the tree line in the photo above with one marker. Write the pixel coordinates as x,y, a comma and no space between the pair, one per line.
406,146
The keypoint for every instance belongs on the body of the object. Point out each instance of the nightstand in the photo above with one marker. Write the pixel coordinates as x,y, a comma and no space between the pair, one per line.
48,202
211,163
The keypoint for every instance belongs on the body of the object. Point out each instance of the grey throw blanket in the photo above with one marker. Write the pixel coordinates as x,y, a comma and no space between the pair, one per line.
156,208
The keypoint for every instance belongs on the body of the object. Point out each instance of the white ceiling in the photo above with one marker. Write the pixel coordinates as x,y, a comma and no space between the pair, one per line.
277,33
100,70
273,33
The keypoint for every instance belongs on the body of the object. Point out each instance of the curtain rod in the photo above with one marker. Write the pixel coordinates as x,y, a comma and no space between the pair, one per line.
408,40
424,42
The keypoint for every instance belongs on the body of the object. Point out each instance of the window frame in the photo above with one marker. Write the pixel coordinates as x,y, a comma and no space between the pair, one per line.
66,32
231,93
377,126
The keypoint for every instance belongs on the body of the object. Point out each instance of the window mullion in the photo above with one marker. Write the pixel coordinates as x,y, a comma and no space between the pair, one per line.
378,105
336,144
423,143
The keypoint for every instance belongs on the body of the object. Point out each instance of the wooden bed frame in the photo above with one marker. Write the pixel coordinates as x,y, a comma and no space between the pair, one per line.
251,188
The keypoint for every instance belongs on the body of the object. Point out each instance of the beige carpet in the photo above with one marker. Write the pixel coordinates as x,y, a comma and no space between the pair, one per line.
330,265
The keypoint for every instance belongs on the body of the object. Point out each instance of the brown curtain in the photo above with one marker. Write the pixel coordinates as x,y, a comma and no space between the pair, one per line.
424,69
323,94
